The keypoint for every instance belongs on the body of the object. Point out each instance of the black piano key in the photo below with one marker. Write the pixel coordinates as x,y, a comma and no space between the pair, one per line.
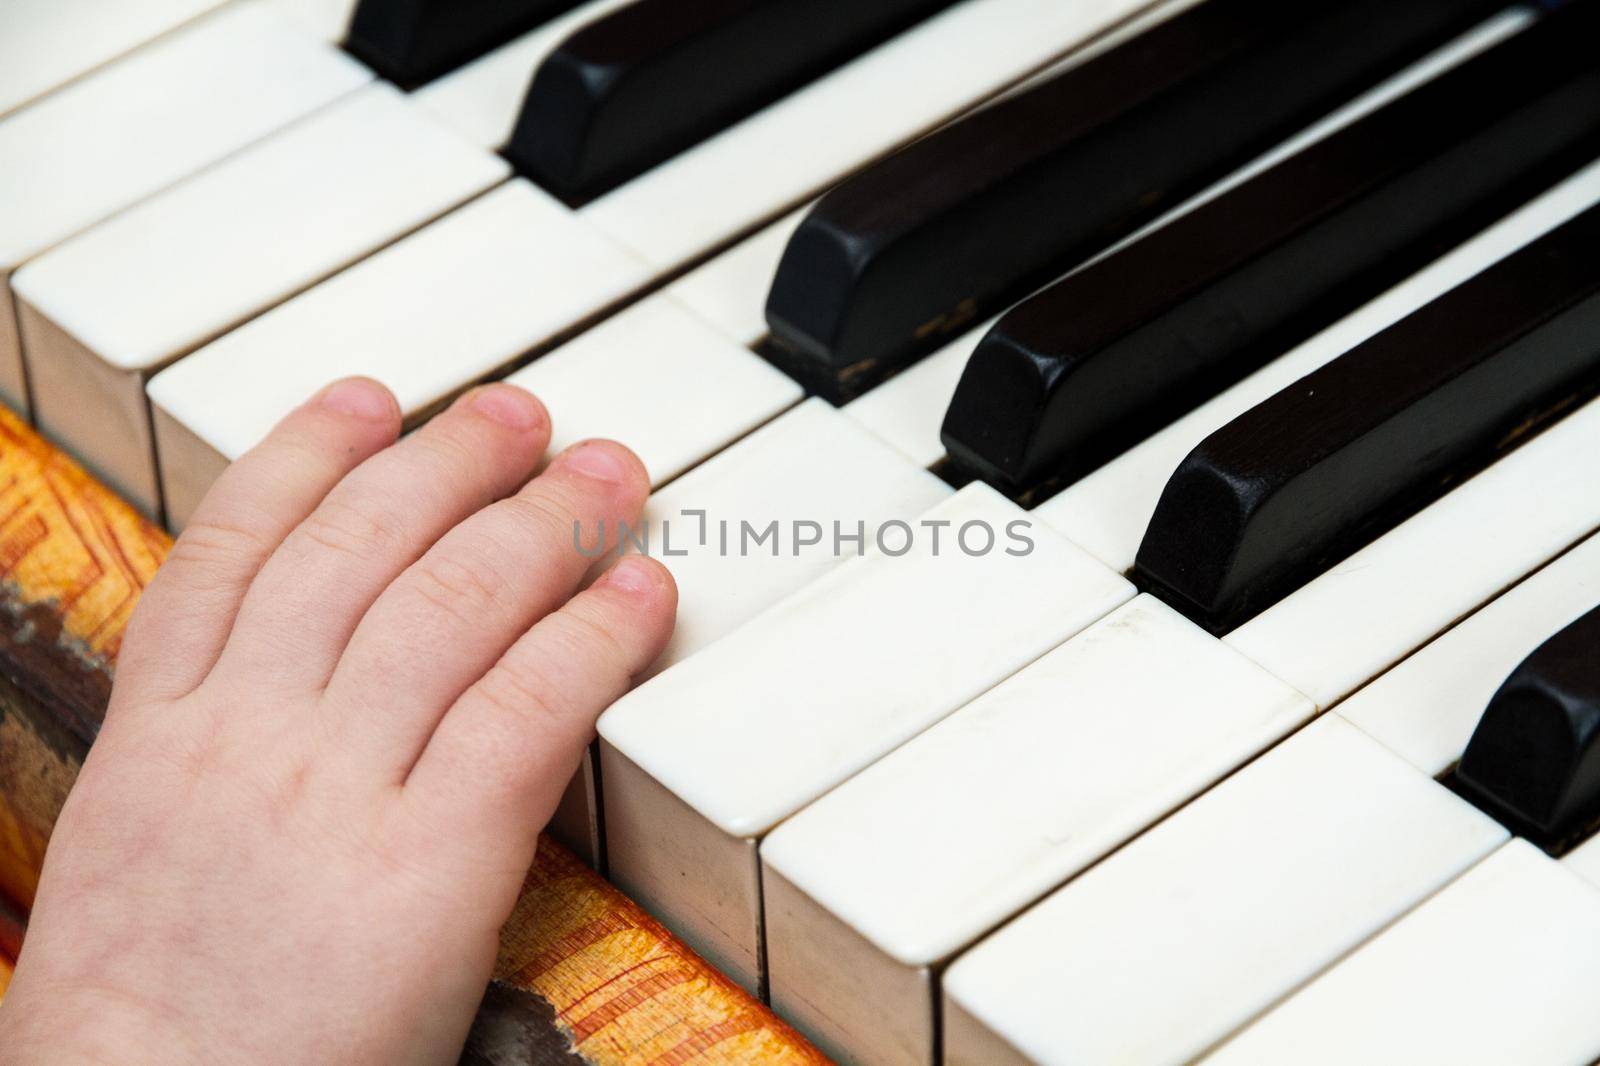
633,88
1534,760
893,261
1309,475
413,41
1103,358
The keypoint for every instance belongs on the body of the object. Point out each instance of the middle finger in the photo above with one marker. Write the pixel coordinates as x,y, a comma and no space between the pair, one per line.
450,616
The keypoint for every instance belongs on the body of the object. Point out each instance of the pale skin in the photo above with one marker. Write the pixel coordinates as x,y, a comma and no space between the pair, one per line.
342,713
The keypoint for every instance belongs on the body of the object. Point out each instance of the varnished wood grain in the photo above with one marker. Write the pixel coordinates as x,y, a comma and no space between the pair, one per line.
584,975
625,989
73,561
11,924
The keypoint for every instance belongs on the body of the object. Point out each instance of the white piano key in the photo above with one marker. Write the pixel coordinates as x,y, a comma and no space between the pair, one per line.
136,126
47,43
451,304
170,273
482,99
1426,708
772,160
328,20
353,175
730,291
1499,967
158,114
810,465
1372,609
702,760
908,409
1585,860
658,378
1107,512
673,375
868,889
1208,919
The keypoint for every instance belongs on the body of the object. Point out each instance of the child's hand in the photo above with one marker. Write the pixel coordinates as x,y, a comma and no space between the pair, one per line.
342,714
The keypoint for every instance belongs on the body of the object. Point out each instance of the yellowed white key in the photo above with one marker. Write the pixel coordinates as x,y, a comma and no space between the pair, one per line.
1325,640
730,291
1499,967
110,306
481,99
811,465
707,757
1207,920
136,126
908,409
673,375
450,304
47,43
1585,860
659,379
328,20
871,888
1426,708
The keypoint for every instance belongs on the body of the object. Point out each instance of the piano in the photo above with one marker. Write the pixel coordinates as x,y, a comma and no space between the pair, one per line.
1129,467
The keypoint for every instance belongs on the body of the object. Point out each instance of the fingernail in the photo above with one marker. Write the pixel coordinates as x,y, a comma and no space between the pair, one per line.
508,405
598,460
631,574
359,398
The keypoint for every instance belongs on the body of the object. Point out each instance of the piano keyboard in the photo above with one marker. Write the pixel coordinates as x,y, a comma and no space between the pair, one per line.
1128,466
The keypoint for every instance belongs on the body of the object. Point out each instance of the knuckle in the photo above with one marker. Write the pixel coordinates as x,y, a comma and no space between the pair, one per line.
349,529
288,451
450,451
545,527
522,691
543,513
462,589
211,542
585,634
300,453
